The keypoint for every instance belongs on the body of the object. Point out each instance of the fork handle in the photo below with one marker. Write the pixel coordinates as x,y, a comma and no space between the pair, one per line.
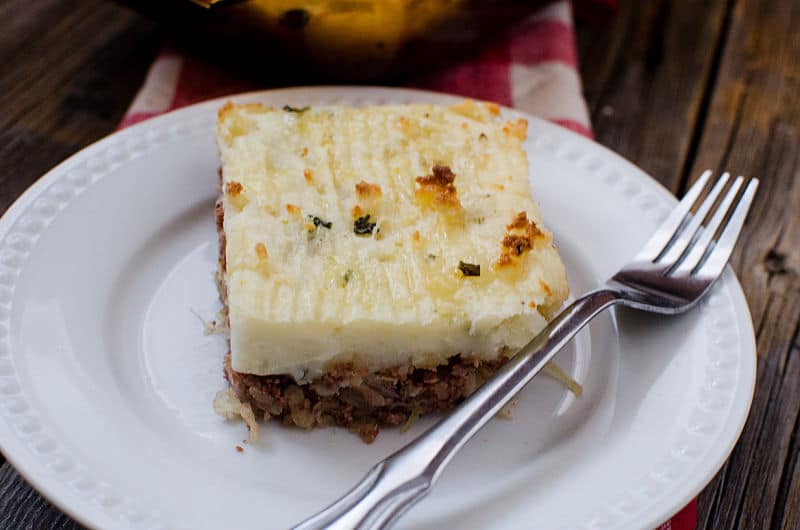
395,484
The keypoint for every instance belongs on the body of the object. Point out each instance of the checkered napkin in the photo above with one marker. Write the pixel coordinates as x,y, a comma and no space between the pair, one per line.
534,68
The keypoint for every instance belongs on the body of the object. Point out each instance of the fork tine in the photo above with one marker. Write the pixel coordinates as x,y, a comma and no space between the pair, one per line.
721,252
685,237
698,250
656,244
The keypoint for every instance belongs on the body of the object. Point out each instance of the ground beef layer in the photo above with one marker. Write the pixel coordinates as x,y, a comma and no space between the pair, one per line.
361,401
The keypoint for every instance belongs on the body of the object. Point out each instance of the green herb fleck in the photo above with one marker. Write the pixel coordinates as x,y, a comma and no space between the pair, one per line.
469,269
432,257
319,222
479,220
298,110
346,277
362,226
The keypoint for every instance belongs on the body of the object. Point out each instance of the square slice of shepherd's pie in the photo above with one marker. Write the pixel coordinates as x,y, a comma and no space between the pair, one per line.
376,263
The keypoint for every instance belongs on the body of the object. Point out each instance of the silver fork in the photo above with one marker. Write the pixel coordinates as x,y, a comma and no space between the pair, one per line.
669,275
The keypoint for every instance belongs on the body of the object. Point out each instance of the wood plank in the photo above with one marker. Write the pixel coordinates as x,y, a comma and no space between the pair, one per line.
646,78
69,71
753,128
22,507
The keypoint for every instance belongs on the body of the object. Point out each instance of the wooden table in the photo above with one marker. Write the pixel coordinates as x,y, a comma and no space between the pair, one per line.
676,87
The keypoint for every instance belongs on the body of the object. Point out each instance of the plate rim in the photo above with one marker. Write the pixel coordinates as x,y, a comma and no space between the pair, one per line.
83,510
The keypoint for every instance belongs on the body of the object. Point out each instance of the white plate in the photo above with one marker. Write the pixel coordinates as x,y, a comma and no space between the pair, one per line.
106,378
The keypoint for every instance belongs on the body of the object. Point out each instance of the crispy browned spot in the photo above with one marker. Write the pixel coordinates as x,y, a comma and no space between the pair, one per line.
532,304
545,288
305,151
224,109
520,237
255,107
440,177
356,212
292,209
308,174
518,128
415,235
493,108
517,244
252,107
520,221
438,187
366,190
233,188
261,251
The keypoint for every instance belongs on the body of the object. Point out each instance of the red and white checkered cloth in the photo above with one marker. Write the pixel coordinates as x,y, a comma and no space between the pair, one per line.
534,68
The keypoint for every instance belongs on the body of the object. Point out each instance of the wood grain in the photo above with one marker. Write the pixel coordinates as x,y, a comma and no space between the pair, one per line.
22,507
753,128
69,69
736,106
647,77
